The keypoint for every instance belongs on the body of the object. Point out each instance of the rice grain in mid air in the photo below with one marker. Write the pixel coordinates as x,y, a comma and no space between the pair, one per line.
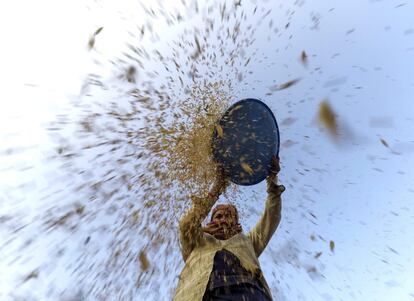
327,117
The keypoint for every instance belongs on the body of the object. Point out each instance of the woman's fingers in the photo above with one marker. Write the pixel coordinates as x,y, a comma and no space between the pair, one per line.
275,165
211,228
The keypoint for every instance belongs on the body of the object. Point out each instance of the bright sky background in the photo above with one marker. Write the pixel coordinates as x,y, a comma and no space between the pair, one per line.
361,58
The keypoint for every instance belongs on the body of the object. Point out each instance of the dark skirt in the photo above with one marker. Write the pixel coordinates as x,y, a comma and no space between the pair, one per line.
238,292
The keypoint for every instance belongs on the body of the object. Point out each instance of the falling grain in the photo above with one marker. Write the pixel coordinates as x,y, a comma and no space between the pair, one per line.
285,85
219,130
332,245
143,260
32,275
246,167
98,31
317,255
327,117
91,42
304,58
385,143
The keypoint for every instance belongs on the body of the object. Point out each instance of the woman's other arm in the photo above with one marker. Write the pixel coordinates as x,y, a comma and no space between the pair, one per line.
261,234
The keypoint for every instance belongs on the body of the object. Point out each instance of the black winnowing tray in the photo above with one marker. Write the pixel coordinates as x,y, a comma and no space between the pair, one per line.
246,138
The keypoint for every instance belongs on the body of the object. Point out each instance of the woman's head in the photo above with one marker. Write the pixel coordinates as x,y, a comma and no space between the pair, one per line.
225,213
224,222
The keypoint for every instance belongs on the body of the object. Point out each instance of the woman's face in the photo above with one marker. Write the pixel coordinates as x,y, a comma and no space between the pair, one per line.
222,215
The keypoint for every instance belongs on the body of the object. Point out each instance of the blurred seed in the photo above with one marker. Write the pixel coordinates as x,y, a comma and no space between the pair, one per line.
32,275
332,245
246,167
288,121
327,117
384,142
80,209
304,58
288,84
143,260
284,85
219,130
98,31
150,203
289,143
130,74
91,42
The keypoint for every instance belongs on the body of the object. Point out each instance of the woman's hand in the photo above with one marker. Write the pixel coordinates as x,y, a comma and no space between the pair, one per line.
272,177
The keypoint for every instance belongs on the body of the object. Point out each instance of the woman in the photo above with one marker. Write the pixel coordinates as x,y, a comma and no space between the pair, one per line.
221,262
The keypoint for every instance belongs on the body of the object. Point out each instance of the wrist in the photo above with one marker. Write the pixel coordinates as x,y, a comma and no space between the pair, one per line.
277,190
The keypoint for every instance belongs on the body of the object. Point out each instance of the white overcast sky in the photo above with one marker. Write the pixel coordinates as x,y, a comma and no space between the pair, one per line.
361,58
